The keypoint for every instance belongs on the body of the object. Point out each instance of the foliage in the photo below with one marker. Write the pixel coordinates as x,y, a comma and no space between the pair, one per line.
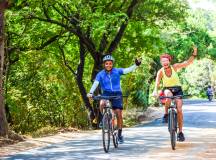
45,131
41,94
45,40
198,76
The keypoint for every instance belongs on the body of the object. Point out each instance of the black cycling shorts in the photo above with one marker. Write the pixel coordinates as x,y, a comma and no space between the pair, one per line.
176,90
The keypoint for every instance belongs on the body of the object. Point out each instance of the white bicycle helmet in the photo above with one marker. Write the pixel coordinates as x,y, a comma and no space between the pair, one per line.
108,58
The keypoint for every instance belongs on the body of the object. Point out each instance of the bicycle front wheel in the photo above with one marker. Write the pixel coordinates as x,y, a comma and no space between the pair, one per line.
172,128
173,139
106,131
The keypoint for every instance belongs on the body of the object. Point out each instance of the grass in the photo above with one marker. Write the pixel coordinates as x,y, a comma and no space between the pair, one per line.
45,131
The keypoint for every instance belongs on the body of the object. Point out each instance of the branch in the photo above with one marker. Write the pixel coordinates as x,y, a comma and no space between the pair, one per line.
103,43
120,33
64,7
45,10
60,13
65,61
72,20
48,42
42,46
76,30
19,6
87,41
52,21
68,38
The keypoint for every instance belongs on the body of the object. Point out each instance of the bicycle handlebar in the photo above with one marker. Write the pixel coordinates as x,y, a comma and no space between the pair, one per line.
174,97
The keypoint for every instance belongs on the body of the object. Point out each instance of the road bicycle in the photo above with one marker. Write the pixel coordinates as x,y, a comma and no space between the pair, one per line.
172,118
109,122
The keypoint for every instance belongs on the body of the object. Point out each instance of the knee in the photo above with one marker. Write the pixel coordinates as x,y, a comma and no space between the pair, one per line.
168,92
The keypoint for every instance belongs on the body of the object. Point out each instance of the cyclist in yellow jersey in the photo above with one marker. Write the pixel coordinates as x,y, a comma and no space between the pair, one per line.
172,86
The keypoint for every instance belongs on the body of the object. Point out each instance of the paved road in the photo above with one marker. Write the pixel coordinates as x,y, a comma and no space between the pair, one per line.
149,141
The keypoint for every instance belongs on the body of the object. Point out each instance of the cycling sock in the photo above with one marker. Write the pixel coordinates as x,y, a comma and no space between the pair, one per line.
119,132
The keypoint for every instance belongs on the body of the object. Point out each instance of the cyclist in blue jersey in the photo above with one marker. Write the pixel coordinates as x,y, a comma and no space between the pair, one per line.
109,80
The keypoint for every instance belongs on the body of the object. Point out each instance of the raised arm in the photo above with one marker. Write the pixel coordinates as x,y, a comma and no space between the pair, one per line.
133,67
184,64
129,69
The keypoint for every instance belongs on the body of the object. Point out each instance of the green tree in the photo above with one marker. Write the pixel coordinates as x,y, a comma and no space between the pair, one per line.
55,47
98,26
4,4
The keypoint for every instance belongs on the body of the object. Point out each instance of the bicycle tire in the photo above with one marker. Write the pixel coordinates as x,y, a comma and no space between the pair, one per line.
115,132
173,139
106,129
115,139
172,128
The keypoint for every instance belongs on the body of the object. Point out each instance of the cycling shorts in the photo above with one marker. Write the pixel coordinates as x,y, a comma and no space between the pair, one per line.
176,90
116,103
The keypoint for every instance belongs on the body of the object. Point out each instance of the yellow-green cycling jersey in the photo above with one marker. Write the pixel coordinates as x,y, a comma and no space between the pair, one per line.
171,81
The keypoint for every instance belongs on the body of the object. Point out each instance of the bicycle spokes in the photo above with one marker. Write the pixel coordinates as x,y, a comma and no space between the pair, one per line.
106,132
115,138
115,131
106,126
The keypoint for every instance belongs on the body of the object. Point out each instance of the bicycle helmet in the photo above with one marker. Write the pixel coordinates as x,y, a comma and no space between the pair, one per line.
165,55
108,57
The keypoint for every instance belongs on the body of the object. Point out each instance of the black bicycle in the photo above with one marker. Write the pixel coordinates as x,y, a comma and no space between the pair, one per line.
172,118
109,122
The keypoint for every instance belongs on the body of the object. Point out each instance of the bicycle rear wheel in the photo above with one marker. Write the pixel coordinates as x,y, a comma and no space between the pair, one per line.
115,132
106,131
172,128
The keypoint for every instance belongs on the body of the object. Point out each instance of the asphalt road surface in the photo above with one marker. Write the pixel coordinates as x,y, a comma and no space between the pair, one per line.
147,141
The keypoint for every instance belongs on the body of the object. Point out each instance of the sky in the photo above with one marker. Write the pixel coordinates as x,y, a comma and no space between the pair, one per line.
204,4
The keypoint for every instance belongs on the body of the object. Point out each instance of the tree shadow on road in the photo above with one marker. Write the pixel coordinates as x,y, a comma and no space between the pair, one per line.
136,143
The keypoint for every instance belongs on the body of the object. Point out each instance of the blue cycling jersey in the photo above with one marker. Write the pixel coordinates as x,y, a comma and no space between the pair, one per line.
110,81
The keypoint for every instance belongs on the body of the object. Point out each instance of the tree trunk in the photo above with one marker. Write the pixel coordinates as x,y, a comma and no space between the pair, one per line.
3,120
79,79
